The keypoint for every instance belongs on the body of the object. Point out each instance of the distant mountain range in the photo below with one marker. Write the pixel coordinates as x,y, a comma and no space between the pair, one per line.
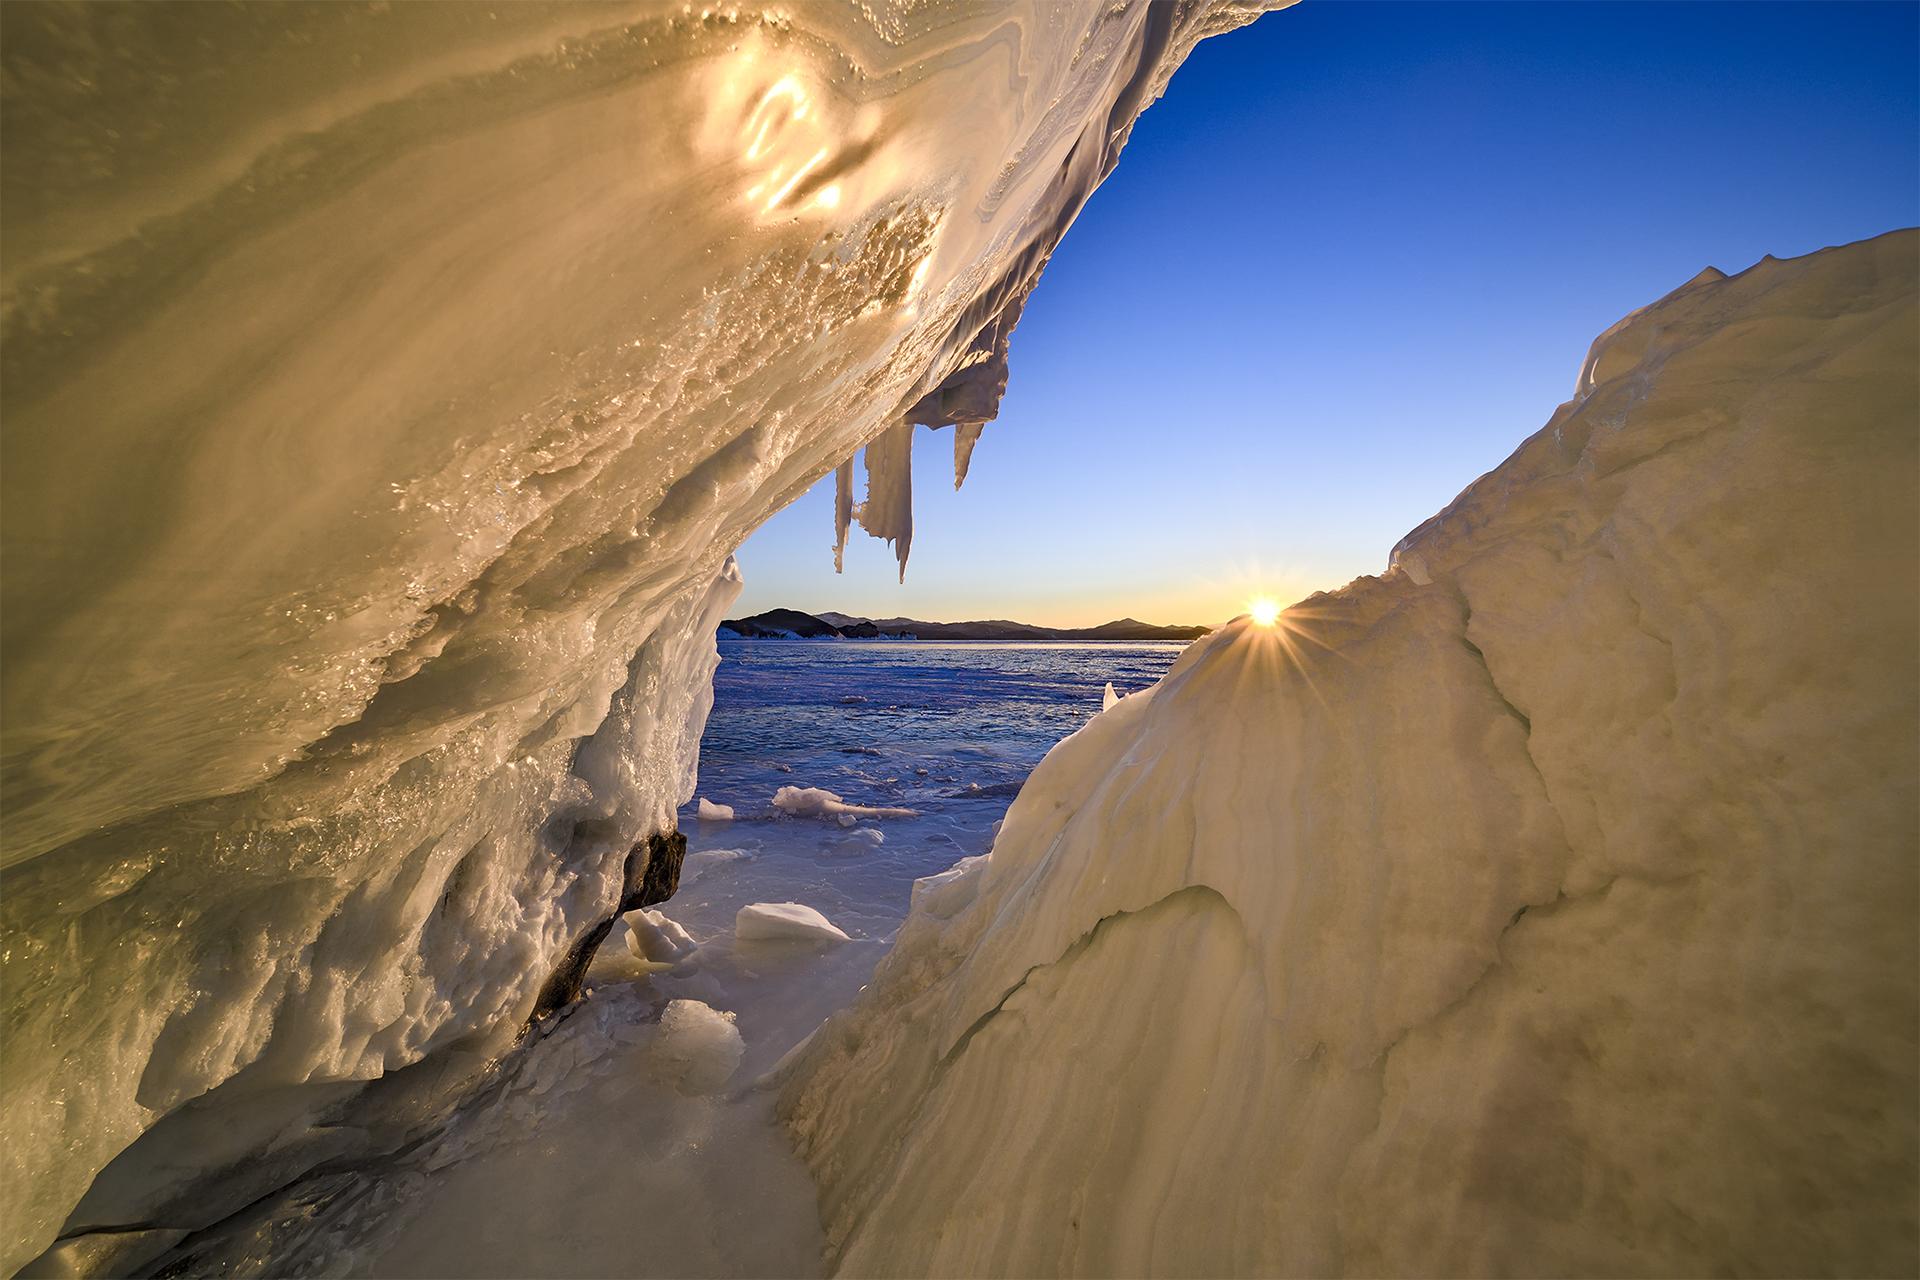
791,624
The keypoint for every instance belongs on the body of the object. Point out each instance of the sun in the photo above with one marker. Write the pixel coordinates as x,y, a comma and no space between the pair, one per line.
1264,611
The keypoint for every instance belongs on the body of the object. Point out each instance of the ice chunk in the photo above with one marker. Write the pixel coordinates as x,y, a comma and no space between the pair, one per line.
655,938
711,812
698,1047
816,802
857,841
784,922
700,863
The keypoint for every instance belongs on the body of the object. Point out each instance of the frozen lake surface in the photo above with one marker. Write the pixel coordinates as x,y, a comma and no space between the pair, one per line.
902,722
948,730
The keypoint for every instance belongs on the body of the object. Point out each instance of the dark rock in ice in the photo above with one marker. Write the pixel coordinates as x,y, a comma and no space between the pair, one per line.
652,876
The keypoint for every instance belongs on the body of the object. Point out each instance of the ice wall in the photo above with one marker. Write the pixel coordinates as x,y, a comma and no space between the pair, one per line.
385,387
1544,906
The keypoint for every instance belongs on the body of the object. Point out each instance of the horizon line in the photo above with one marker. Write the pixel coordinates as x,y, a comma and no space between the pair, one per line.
960,622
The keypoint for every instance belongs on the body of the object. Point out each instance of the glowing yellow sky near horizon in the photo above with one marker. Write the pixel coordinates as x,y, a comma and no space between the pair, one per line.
1207,596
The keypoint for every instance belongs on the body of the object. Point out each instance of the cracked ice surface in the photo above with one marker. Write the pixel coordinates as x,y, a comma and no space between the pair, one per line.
385,388
1543,906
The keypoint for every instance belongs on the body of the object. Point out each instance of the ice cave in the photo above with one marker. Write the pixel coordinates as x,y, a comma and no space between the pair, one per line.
384,391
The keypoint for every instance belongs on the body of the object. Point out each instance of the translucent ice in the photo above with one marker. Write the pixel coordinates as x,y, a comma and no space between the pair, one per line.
385,387
697,1047
654,937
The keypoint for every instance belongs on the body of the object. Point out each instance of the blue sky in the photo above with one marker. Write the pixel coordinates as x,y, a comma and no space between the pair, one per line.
1346,265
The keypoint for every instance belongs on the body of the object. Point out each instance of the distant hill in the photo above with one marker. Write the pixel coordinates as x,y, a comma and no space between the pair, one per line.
782,624
791,624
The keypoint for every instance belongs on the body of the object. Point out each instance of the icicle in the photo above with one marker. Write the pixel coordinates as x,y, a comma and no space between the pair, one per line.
842,511
888,511
965,436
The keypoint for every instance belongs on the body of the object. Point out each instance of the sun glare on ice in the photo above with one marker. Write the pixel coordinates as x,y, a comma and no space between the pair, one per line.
1264,611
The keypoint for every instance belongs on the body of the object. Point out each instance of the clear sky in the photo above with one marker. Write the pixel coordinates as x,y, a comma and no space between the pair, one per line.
1346,265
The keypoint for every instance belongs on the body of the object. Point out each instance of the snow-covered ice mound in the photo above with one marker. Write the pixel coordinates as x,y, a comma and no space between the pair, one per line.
784,922
1543,906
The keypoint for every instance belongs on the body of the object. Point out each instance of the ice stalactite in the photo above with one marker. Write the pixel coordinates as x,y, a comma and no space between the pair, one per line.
966,399
385,388
888,511
965,436
842,512
1543,906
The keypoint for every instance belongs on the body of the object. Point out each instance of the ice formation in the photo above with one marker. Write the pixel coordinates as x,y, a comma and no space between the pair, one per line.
655,937
697,1047
888,511
818,802
385,388
708,811
1542,906
785,922
698,864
